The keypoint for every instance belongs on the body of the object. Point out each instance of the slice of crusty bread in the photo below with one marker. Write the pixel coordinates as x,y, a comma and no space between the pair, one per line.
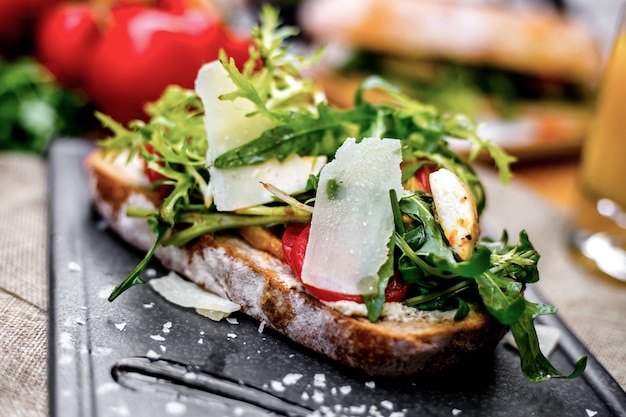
530,40
404,341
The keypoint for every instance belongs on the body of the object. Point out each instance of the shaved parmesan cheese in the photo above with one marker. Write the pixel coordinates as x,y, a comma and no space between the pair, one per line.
455,211
179,291
243,187
352,220
228,127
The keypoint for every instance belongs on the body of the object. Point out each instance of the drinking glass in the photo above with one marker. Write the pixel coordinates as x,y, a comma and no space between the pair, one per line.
599,232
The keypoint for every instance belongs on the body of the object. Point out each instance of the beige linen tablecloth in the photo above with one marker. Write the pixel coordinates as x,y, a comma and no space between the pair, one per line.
593,308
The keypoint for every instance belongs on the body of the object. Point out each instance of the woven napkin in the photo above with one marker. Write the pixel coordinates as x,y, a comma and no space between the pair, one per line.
23,286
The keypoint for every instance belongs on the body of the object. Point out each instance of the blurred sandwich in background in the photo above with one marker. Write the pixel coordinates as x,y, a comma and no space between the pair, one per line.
528,69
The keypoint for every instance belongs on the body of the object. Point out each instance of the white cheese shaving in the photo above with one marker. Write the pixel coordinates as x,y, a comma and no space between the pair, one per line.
353,221
228,126
184,293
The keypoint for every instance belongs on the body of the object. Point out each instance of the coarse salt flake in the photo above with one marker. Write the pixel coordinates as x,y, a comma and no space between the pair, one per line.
74,266
590,413
319,380
370,384
291,379
456,411
151,354
387,404
277,386
346,389
157,337
175,407
120,326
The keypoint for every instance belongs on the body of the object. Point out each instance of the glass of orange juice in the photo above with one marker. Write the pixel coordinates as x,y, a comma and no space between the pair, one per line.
599,233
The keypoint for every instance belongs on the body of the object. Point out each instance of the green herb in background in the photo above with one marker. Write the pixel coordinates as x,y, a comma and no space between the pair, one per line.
34,107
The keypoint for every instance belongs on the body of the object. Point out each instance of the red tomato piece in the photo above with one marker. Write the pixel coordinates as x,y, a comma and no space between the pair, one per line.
423,174
295,240
396,289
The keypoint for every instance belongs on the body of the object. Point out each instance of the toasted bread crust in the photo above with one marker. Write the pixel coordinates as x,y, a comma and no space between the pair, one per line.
408,343
544,43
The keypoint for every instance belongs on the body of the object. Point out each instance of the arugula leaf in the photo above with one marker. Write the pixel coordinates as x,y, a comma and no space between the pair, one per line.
535,366
133,278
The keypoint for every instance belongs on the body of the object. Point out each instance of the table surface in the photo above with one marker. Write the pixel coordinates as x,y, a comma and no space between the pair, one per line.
23,281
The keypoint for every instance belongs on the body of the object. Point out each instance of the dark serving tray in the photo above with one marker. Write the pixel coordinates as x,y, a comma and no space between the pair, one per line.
142,356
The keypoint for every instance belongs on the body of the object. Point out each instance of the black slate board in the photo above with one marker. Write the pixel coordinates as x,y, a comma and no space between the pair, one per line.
142,356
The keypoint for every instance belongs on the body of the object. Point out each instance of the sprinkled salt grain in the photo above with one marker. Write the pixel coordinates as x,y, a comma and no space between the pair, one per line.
231,335
167,326
150,272
148,305
232,320
345,390
333,390
74,266
174,407
456,411
239,411
262,326
152,355
386,404
200,341
305,396
358,409
157,337
318,396
277,386
591,413
291,379
319,380
201,332
370,384
163,348
120,326
397,414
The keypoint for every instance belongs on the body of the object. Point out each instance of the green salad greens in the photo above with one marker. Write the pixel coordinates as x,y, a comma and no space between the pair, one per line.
173,145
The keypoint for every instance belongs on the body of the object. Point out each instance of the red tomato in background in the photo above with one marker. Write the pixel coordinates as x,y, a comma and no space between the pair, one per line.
295,240
18,19
65,40
124,56
145,51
